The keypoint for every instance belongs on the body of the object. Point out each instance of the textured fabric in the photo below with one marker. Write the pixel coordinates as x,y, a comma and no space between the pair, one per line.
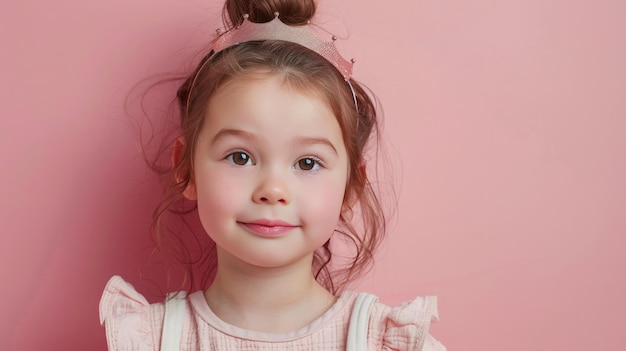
134,324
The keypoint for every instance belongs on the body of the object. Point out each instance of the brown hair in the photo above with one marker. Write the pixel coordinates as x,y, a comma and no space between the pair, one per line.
305,70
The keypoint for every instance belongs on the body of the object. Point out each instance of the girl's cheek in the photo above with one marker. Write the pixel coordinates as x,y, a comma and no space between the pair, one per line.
326,200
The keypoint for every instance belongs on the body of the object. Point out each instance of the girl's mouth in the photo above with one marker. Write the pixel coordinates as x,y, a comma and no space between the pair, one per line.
268,228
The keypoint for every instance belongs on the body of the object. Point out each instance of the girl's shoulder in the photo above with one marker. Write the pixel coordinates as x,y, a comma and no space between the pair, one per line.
132,323
403,327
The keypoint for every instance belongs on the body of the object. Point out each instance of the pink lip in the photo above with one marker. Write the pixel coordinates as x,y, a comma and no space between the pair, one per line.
268,228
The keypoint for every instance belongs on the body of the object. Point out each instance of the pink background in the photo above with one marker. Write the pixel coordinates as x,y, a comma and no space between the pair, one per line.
507,121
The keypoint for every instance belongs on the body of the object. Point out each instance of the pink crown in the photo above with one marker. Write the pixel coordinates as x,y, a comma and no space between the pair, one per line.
277,30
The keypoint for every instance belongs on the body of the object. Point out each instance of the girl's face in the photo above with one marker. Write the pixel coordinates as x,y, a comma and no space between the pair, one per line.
270,172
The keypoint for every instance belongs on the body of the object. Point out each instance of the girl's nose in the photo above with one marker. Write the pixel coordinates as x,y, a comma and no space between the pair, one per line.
272,191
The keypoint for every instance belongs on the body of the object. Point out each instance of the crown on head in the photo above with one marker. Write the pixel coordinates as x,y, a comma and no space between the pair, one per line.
277,30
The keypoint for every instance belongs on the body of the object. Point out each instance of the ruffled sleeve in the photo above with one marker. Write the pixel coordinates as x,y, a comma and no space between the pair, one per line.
406,327
127,316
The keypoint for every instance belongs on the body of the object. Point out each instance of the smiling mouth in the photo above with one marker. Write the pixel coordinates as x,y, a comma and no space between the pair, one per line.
268,228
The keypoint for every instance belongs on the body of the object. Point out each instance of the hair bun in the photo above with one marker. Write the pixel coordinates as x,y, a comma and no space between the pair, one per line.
292,12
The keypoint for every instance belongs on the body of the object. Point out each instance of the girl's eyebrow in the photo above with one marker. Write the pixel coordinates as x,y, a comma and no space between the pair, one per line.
306,141
232,132
299,141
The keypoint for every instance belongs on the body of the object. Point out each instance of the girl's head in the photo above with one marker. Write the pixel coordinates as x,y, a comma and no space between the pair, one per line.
272,103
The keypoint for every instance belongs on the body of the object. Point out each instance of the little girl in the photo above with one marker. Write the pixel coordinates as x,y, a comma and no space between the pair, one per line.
273,133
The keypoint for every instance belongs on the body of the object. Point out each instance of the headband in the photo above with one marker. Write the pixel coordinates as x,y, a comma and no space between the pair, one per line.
277,30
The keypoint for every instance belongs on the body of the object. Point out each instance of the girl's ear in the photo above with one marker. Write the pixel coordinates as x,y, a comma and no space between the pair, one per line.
177,153
352,197
362,170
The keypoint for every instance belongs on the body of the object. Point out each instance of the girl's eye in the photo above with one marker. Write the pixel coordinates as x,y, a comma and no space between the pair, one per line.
308,164
240,158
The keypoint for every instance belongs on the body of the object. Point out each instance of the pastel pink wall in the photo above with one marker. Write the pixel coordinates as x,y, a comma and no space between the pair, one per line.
508,125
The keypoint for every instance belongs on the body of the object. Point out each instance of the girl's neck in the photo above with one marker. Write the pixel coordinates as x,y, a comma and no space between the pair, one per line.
274,300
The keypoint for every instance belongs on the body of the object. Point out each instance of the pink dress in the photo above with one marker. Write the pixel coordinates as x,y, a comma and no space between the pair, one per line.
134,324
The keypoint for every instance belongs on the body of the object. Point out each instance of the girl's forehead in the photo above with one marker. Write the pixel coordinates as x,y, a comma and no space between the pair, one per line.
298,84
269,108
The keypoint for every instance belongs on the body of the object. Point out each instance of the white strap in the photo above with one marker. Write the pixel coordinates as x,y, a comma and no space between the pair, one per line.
359,320
175,310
